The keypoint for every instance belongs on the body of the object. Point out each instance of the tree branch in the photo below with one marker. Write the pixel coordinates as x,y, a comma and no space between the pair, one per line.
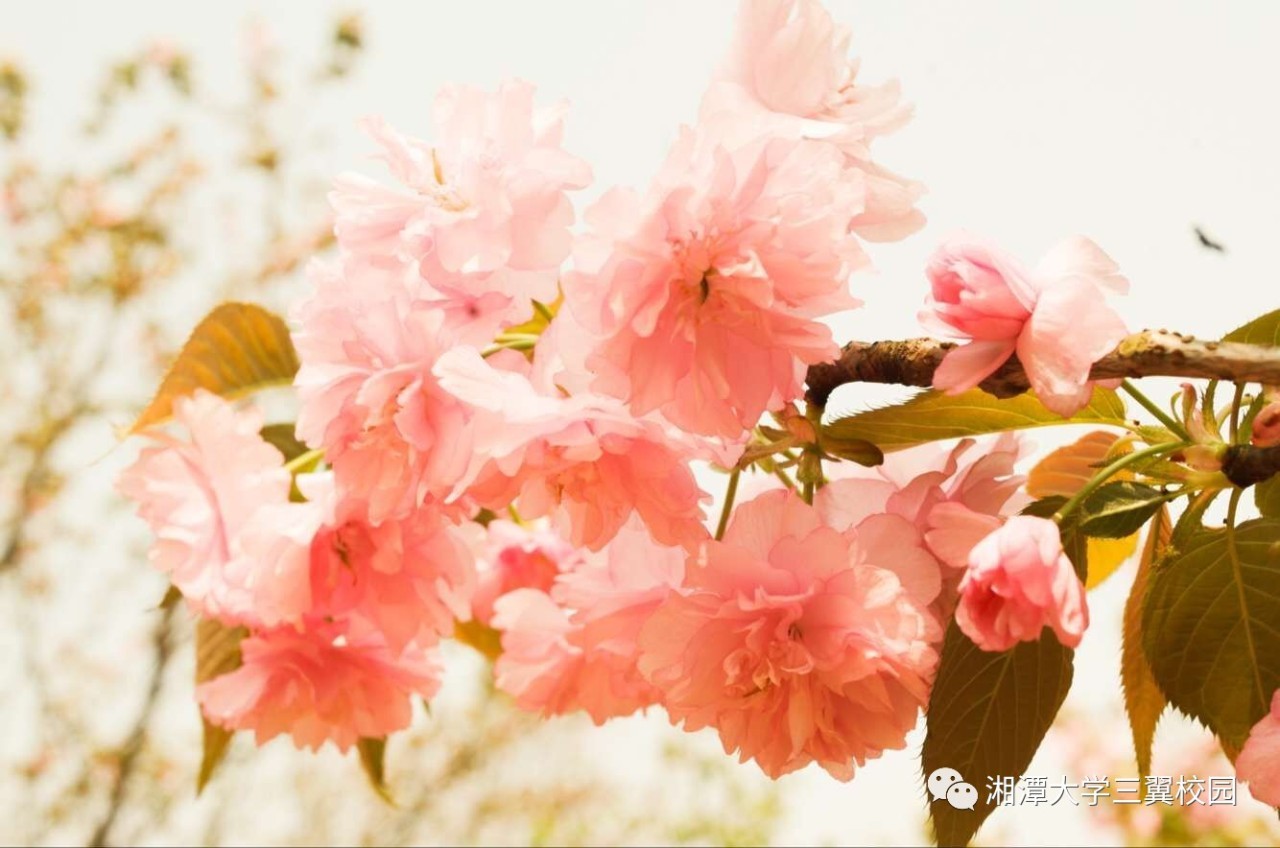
1150,353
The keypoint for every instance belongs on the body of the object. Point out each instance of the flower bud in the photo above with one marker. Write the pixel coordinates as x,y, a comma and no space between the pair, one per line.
1194,418
1266,426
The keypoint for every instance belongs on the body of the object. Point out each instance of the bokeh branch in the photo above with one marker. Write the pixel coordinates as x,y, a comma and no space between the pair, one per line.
1150,353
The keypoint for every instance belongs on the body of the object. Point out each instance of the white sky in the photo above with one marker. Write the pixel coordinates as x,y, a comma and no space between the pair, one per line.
1126,122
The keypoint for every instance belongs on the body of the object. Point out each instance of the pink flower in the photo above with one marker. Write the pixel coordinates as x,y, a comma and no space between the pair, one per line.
1056,318
795,641
1259,761
405,580
953,496
574,647
516,557
319,687
1266,426
203,499
483,214
788,74
705,295
367,345
1019,581
583,460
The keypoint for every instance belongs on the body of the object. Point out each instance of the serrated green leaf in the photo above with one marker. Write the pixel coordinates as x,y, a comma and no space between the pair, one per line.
933,416
1267,497
1120,508
988,714
217,653
1263,330
373,755
1191,523
1045,507
1210,626
1144,703
237,349
833,442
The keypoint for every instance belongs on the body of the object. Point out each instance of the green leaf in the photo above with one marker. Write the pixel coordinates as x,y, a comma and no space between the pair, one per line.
282,438
1264,330
988,713
1045,507
1190,524
1143,701
217,653
237,349
833,442
933,416
373,754
1210,626
1120,508
1267,497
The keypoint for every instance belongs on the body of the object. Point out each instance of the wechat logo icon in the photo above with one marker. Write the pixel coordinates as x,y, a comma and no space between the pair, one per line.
947,784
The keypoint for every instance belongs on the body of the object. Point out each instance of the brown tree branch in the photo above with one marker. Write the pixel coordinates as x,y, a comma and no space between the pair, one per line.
1150,353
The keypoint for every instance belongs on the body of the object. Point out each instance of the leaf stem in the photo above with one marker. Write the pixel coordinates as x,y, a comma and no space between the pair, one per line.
807,494
1147,404
1111,470
302,460
730,494
519,343
1235,411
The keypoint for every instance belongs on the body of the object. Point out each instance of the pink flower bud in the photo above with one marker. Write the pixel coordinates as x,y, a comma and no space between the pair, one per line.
1266,427
1019,582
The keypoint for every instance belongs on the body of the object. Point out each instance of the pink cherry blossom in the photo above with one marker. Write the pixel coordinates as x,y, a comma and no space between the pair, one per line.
405,580
704,295
1055,317
482,214
319,687
795,641
1019,582
204,500
518,557
788,73
948,498
367,345
584,460
574,647
1259,761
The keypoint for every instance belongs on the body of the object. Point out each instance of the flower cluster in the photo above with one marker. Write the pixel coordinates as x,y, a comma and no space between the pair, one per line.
502,415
